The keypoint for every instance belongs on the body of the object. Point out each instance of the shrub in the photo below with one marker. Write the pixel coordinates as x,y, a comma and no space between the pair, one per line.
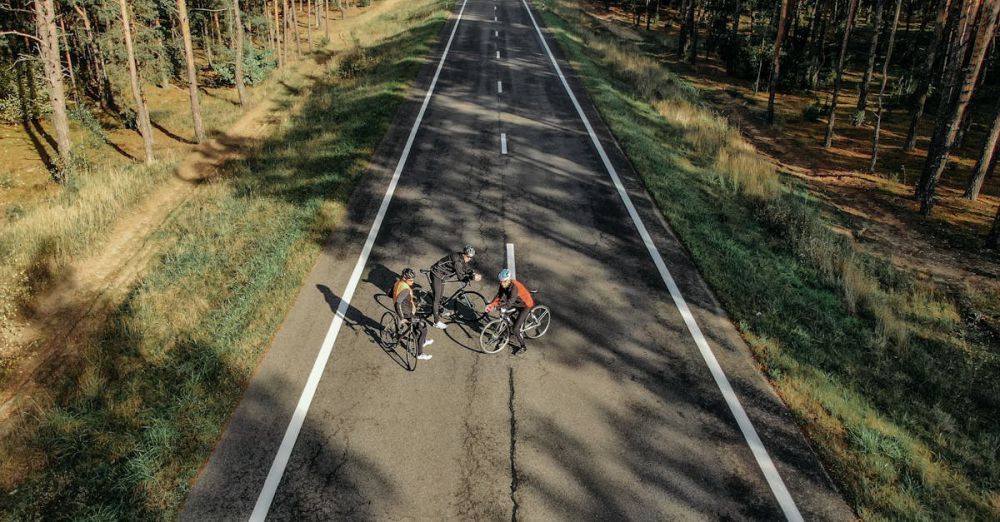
256,65
813,112
858,118
95,131
24,96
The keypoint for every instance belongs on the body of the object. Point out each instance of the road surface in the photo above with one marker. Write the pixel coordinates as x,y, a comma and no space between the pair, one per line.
615,414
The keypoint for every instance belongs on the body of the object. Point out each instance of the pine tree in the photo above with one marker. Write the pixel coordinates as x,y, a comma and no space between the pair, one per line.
966,72
142,114
199,129
852,9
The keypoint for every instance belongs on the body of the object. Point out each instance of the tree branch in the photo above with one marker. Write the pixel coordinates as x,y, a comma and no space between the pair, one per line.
26,35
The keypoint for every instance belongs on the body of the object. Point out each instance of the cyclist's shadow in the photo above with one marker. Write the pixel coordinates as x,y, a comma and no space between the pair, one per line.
382,278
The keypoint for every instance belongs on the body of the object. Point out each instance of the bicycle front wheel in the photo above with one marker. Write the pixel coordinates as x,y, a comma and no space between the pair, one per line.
495,336
410,351
537,322
470,306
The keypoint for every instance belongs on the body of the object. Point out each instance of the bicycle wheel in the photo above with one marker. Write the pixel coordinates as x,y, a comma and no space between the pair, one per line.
495,336
410,351
389,335
470,306
537,322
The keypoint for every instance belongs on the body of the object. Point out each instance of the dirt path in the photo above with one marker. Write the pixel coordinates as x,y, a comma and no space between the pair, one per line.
67,316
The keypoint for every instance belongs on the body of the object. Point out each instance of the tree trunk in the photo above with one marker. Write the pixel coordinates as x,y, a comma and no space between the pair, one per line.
326,18
923,88
776,60
688,45
986,159
48,49
103,82
199,129
885,80
852,9
309,30
141,114
682,35
872,54
993,241
237,18
947,127
293,22
818,49
69,60
218,29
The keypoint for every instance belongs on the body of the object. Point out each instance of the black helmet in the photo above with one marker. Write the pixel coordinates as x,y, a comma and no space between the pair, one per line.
469,251
408,273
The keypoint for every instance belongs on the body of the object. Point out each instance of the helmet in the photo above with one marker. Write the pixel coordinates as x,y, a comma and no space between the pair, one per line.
408,273
504,274
469,251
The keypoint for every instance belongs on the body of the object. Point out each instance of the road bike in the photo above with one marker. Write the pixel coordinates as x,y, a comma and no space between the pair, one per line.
394,334
496,335
466,305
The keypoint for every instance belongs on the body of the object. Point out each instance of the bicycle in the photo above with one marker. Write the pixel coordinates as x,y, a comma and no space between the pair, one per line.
496,335
393,334
462,303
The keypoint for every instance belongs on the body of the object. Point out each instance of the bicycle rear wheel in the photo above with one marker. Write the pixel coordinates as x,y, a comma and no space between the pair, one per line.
389,335
470,306
537,322
495,336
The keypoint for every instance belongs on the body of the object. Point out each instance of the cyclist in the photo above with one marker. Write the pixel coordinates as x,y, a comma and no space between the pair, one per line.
406,311
452,267
513,294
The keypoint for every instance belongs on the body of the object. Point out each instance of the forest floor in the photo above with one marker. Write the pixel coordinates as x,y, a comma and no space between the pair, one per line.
877,210
74,305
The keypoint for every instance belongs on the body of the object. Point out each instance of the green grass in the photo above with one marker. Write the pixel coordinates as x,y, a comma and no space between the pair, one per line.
894,380
133,421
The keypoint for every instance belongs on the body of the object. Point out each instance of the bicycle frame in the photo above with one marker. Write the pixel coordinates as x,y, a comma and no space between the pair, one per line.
445,301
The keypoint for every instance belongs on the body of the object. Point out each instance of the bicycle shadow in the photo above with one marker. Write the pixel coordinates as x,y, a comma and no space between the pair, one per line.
466,334
355,319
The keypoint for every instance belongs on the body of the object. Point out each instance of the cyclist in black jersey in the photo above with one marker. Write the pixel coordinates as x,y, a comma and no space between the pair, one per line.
452,267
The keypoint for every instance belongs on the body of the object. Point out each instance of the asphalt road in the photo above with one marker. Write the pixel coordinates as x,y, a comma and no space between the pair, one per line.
613,415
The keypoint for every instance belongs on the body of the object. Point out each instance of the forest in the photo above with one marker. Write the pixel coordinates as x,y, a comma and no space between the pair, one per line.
930,63
90,60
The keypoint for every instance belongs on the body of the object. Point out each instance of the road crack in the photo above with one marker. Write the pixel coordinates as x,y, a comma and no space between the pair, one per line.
513,448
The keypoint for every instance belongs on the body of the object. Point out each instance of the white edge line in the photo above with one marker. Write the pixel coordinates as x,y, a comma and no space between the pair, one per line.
510,261
263,504
781,493
503,143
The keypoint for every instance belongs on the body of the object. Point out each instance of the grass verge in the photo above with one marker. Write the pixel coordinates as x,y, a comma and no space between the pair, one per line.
132,422
894,380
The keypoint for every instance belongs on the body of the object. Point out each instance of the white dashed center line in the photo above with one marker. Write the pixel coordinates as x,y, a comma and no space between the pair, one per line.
510,260
499,87
503,143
